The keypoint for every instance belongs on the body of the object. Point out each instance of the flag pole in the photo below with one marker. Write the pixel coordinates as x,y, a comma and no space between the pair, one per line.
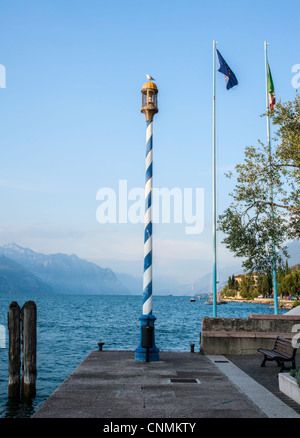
274,270
214,280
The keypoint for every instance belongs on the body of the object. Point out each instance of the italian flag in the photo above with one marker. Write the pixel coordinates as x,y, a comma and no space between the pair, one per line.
271,89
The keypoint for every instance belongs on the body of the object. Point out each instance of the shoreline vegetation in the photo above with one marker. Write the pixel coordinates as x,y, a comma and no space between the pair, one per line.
257,287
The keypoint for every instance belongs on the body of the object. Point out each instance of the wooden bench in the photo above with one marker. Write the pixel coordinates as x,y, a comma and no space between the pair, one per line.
282,352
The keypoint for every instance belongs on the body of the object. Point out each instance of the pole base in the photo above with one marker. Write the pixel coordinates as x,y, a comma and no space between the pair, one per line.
141,354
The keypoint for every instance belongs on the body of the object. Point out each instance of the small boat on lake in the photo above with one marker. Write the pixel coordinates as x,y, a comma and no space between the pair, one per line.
192,299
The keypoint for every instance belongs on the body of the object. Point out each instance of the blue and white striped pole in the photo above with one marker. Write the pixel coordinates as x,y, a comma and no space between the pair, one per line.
147,279
147,318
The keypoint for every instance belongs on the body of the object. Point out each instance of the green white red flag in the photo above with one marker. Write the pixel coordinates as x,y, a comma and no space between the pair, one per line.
271,90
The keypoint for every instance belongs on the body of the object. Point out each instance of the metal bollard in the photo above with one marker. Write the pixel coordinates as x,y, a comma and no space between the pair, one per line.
100,344
192,348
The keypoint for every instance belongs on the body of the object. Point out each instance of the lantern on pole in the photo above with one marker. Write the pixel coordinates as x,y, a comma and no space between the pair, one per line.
147,351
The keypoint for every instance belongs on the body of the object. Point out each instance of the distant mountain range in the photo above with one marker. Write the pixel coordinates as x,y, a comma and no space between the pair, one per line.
23,268
14,279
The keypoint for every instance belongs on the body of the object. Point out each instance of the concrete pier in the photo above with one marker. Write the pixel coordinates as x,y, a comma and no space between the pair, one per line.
111,384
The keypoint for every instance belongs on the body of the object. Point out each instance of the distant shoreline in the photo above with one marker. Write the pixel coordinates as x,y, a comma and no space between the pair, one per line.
283,304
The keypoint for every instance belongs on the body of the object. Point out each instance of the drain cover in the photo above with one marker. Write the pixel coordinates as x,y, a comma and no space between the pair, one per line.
181,380
221,361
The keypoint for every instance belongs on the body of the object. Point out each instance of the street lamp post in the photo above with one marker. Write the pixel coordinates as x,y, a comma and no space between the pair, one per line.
147,350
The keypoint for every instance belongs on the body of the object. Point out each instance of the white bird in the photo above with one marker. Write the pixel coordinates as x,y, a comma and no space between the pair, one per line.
150,78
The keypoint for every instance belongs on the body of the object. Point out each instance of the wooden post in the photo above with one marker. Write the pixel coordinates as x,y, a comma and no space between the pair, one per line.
14,352
29,314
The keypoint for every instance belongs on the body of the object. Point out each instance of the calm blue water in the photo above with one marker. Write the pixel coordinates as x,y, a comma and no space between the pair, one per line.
70,326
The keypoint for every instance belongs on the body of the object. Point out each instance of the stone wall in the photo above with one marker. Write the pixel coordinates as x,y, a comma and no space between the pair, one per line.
246,335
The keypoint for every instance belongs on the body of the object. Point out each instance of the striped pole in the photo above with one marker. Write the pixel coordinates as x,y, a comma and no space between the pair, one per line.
147,318
147,350
147,279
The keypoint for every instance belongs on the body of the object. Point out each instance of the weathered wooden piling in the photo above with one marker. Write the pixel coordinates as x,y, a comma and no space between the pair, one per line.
29,316
14,352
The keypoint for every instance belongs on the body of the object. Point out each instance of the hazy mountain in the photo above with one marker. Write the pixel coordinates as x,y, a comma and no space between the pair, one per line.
25,270
294,252
66,273
14,279
161,285
204,284
133,285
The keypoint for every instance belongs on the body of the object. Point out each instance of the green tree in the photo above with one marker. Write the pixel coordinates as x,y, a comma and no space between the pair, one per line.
247,287
287,269
267,284
229,282
265,210
227,292
286,116
233,283
290,284
264,284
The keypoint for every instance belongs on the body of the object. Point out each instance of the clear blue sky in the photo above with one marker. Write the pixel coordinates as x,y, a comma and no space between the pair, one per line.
71,124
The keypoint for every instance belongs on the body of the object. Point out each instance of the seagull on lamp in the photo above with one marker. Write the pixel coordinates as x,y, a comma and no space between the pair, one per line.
150,78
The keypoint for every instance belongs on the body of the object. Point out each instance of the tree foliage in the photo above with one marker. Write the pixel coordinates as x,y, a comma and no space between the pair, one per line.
252,286
265,210
247,287
232,283
290,284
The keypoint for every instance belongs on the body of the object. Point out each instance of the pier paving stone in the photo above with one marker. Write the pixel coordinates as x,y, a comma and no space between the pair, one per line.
266,376
111,384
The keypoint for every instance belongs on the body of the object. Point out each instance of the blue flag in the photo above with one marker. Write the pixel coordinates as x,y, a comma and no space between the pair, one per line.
230,78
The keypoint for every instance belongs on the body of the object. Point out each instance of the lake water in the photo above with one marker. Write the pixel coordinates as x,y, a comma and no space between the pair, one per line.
70,326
